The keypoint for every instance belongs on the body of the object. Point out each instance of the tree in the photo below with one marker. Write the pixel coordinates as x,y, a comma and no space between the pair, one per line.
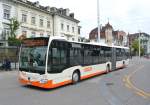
14,26
135,47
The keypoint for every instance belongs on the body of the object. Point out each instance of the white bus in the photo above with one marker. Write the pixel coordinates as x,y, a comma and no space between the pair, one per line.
53,62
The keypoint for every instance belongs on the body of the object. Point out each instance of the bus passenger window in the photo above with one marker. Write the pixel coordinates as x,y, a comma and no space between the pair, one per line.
56,56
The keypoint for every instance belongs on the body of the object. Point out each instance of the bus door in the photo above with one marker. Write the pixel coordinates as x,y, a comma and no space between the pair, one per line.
113,59
58,56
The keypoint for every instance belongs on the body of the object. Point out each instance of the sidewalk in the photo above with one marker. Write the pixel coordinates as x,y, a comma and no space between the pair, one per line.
13,67
1,70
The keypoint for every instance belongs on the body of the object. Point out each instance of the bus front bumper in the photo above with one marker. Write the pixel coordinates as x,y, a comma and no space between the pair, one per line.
46,85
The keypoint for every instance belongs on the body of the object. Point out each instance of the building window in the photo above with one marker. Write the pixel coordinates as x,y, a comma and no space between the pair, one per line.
33,34
41,35
24,18
6,33
48,24
6,14
72,29
6,11
62,26
79,31
41,22
33,20
68,28
48,33
24,33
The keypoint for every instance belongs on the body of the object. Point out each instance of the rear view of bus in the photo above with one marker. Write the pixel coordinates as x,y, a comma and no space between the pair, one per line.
32,62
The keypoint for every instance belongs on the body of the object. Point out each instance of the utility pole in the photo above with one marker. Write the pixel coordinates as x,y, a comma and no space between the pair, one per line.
98,21
139,44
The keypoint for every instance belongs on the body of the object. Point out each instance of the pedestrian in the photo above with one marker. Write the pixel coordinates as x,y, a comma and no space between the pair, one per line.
7,64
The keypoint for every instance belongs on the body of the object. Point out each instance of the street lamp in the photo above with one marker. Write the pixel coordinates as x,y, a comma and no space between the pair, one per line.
98,21
139,45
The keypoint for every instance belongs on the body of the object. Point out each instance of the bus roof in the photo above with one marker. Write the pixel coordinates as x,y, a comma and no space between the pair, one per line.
64,39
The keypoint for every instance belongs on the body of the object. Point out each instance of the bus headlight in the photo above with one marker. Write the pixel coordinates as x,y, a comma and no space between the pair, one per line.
43,81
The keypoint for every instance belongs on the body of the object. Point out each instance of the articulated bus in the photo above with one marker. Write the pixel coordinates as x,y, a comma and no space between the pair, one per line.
53,62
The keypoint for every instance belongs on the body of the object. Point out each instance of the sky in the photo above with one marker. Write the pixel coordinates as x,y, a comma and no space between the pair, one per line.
130,16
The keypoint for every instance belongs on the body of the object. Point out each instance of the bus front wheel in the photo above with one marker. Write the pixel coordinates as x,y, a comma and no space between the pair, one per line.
75,77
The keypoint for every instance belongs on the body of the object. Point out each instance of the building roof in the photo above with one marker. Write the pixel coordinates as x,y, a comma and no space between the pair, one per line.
108,26
137,34
94,32
47,9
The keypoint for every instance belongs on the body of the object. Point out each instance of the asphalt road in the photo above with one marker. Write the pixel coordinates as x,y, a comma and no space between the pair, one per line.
128,86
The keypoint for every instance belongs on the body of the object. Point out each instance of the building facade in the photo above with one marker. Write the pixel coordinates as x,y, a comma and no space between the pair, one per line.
8,10
37,20
109,36
144,40
34,21
65,25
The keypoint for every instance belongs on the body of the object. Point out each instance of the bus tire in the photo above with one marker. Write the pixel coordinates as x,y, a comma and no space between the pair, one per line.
75,77
108,68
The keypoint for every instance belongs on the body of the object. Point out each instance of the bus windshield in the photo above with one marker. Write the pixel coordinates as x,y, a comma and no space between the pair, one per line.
33,59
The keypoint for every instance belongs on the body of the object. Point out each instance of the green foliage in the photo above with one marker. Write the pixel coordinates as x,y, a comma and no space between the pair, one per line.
14,26
135,47
14,41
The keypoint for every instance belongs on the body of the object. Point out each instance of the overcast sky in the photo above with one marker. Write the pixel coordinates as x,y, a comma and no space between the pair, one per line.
128,15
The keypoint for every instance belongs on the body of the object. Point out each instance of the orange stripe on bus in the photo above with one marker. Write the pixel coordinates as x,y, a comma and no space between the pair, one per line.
50,84
46,85
61,84
91,75
87,69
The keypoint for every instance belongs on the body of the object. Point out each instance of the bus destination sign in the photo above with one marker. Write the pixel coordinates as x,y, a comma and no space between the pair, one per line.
35,42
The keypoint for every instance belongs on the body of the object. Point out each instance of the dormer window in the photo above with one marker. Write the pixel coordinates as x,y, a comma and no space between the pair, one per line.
37,4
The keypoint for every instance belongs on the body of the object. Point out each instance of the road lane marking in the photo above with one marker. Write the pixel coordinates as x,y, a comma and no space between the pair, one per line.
141,94
128,86
128,81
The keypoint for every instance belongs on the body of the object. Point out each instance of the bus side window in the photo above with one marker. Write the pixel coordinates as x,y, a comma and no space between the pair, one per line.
88,55
56,56
95,55
123,54
63,56
119,54
108,53
102,55
49,57
75,56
